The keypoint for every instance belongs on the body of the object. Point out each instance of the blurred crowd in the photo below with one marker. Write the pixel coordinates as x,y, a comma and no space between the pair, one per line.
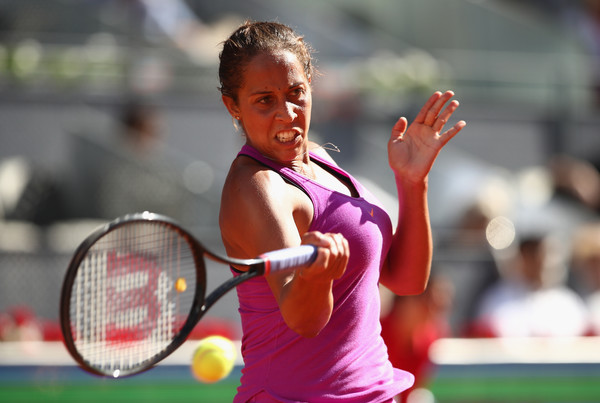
126,168
544,282
20,323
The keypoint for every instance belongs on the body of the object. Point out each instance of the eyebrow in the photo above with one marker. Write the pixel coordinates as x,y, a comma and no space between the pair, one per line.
294,85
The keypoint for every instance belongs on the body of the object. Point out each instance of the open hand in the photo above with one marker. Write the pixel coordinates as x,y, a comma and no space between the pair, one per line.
413,149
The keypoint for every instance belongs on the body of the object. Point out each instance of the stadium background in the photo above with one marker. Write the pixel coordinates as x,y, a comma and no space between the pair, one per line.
526,73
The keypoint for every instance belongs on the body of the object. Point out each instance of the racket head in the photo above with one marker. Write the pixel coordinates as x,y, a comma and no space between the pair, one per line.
132,293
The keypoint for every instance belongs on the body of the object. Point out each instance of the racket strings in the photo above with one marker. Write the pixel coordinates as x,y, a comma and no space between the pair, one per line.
125,308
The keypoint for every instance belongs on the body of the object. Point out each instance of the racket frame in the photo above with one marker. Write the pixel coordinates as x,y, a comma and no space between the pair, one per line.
200,303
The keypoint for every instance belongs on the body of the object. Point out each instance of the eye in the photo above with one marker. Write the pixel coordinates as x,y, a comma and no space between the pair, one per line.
298,91
264,100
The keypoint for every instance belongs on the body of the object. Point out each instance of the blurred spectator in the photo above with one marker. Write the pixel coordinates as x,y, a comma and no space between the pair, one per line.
140,127
128,170
28,192
583,18
20,324
577,179
477,268
531,298
588,25
586,263
139,175
413,324
176,22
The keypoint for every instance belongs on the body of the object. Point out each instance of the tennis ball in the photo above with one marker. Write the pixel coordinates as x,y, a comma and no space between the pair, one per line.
213,359
180,284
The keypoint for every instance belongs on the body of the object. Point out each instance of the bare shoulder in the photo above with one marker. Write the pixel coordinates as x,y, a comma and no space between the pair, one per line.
251,179
257,208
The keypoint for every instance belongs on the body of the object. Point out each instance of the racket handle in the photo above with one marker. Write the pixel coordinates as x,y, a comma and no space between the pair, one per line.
289,258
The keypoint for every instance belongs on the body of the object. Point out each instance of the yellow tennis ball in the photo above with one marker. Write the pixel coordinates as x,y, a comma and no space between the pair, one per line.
213,359
180,284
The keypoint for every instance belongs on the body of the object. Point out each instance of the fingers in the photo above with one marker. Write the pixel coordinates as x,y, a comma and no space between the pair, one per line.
452,131
443,118
422,115
431,113
399,128
332,258
339,259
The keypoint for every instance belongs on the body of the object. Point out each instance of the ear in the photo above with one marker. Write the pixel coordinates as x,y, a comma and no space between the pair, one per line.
231,106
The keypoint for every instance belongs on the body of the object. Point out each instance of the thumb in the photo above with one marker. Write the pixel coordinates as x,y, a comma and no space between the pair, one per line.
399,128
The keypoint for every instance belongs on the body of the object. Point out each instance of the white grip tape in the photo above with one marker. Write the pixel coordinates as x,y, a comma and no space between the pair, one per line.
289,258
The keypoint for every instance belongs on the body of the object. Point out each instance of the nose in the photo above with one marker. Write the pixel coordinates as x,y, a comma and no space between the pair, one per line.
286,111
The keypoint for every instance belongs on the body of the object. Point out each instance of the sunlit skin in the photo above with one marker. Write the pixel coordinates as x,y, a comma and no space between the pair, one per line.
274,105
262,212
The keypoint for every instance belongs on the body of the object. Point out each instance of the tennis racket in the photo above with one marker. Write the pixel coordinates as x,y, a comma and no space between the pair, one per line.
135,288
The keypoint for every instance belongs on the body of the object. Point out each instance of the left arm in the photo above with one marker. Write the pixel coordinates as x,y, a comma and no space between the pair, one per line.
411,153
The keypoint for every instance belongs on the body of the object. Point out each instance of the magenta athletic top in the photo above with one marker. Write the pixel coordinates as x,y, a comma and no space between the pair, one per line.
348,361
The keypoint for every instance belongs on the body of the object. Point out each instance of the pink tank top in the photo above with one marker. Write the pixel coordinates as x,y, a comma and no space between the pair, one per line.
347,361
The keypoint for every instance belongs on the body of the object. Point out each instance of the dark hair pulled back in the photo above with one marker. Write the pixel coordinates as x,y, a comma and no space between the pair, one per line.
251,39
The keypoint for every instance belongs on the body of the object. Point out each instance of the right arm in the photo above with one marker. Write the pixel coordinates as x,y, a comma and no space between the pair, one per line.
260,212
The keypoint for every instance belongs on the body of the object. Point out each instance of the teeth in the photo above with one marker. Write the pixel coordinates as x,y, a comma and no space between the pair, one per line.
286,136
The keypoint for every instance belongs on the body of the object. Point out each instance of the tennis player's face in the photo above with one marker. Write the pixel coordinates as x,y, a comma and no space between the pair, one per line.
274,106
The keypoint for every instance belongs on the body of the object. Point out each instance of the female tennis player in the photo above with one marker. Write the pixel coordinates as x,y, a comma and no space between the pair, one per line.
314,335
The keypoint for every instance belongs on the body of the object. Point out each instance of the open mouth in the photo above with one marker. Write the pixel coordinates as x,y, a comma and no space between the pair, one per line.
286,136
